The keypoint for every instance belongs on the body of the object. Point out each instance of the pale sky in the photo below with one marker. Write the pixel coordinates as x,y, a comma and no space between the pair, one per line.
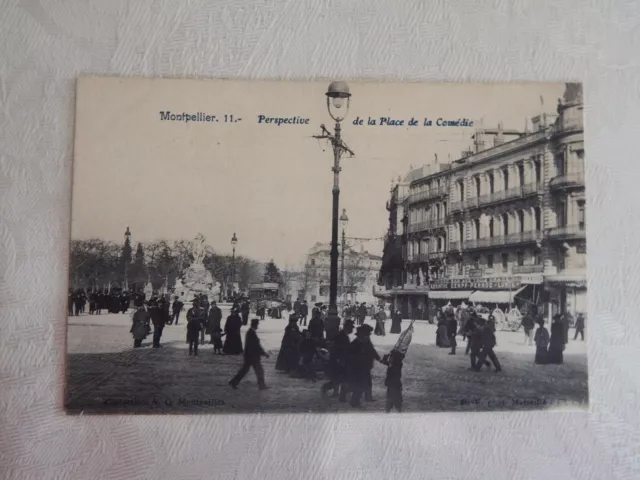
270,185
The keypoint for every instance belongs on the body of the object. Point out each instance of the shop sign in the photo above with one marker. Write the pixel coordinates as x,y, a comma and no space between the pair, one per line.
469,283
476,272
531,279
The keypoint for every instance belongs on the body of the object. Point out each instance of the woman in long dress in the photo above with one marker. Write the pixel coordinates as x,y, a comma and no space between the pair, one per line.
233,340
288,357
542,342
556,344
396,322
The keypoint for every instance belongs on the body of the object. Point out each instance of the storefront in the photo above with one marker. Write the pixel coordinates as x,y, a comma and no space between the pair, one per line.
567,294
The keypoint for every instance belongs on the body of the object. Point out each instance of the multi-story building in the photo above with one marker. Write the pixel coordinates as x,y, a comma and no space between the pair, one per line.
360,274
505,223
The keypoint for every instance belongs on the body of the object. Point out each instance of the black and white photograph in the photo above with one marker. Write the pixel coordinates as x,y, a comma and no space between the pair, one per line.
335,246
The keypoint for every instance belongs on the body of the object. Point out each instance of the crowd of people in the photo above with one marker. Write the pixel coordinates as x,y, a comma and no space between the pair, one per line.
346,363
480,335
117,301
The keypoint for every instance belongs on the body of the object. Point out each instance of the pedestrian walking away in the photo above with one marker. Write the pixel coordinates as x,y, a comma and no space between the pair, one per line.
253,352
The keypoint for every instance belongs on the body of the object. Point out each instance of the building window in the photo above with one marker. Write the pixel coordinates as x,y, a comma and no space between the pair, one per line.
505,223
492,183
477,226
444,210
505,174
538,219
560,164
521,220
313,262
461,233
460,267
491,228
521,173
562,214
490,260
505,262
537,258
477,179
313,298
476,262
538,166
581,217
461,190
520,259
437,212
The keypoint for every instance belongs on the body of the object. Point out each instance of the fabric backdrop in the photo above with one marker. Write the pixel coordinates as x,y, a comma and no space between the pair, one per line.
45,44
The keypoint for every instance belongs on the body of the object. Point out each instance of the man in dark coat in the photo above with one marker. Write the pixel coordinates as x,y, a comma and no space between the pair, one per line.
579,327
288,357
316,326
337,368
362,314
214,320
176,308
139,326
361,357
304,312
488,344
296,308
452,330
244,310
158,322
253,352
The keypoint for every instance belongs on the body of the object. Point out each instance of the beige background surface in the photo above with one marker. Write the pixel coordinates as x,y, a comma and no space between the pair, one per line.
46,44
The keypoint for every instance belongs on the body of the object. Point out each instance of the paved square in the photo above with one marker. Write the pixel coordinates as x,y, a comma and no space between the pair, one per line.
106,375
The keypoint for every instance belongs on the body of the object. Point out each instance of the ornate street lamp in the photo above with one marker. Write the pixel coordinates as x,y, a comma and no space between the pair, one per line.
344,220
338,102
234,242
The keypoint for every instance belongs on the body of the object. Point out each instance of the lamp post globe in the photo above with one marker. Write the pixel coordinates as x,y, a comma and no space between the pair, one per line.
338,96
344,220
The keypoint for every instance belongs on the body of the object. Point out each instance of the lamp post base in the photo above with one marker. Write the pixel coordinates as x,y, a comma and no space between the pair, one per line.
332,323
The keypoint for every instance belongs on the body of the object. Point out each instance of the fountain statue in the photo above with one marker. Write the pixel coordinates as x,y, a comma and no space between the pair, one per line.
196,278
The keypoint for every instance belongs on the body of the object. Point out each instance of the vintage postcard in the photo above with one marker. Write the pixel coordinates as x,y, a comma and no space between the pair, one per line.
331,246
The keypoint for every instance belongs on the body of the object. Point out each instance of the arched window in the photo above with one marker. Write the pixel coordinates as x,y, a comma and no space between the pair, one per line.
521,221
477,225
505,223
505,175
437,212
538,219
461,232
461,190
492,183
491,227
444,210
478,186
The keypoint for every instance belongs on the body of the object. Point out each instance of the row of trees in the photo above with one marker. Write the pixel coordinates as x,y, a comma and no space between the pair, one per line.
96,264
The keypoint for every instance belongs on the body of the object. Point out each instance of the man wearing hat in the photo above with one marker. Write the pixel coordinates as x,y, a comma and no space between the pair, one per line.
337,367
253,352
362,355
304,312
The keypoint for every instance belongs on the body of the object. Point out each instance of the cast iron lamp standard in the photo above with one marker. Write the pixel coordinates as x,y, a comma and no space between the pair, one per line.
338,100
234,242
344,220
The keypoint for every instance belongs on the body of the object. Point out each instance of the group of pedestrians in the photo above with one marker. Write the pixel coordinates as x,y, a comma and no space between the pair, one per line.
116,301
346,363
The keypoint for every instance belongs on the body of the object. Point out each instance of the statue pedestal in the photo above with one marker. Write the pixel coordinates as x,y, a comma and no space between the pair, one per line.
197,280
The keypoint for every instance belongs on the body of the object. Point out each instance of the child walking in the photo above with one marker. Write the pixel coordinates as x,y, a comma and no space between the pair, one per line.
217,341
393,380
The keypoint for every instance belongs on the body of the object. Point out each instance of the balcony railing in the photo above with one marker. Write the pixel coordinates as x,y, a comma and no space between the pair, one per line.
426,225
418,258
509,194
455,207
432,193
568,231
498,241
437,255
454,246
528,269
569,180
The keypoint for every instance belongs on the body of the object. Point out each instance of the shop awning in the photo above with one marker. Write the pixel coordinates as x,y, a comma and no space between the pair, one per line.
449,294
494,296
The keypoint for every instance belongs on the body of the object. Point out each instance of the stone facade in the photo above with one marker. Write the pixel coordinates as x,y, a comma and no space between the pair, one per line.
512,207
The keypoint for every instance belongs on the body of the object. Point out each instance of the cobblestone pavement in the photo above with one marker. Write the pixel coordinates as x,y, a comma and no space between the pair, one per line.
106,375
